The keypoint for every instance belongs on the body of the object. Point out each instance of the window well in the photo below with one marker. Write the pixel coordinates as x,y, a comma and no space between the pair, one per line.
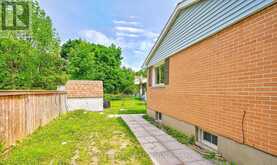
208,139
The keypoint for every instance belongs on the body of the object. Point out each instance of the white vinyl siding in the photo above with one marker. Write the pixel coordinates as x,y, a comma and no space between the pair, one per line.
202,20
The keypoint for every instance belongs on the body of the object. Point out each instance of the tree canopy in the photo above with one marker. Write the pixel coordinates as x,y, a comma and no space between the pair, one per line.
31,59
34,59
88,61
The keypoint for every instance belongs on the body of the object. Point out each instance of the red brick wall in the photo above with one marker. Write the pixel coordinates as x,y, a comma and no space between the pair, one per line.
215,81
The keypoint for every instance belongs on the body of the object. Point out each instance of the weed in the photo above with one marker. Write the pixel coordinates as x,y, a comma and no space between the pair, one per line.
210,155
180,137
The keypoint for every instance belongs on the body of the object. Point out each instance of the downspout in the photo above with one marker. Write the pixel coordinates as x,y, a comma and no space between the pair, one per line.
242,126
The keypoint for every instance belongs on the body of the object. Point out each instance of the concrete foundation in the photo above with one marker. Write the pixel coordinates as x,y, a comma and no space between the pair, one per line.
243,154
174,123
230,150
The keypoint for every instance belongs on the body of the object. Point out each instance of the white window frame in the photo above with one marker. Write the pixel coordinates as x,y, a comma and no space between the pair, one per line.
154,75
205,142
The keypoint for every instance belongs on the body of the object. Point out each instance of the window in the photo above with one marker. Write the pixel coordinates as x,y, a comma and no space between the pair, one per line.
158,116
208,139
159,74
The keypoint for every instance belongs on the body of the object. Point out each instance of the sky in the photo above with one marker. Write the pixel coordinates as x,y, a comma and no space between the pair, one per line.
133,25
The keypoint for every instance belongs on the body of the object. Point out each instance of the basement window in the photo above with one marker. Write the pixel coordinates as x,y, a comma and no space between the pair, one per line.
158,116
208,139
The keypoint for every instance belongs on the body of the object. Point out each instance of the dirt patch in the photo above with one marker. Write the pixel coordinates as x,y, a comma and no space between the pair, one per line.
110,148
75,157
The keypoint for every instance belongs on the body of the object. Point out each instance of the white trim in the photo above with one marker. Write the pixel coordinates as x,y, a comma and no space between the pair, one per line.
172,18
154,75
187,3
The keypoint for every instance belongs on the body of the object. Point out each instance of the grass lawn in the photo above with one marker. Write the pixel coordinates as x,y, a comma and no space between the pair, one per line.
83,138
127,106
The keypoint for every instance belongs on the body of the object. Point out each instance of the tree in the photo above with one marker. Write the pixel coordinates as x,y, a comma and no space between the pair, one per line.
16,64
67,46
127,78
80,61
87,61
142,73
31,59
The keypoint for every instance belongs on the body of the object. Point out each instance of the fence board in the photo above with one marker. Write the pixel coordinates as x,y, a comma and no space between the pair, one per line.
22,112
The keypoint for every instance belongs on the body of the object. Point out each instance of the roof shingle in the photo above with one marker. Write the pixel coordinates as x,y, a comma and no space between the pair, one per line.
84,88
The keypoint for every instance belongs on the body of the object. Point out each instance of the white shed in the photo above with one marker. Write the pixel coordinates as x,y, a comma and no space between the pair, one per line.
83,94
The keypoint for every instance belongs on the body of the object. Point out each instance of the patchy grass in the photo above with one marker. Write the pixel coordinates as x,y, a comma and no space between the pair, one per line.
82,138
127,105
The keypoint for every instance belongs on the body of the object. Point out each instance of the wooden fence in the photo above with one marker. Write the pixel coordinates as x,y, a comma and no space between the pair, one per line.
22,112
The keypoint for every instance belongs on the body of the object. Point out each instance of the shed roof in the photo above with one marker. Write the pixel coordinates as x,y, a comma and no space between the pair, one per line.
84,88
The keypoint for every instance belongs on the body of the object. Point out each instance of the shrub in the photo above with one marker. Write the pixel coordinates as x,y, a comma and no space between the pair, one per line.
110,97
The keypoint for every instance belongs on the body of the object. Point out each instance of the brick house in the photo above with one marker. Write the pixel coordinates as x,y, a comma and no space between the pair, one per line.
83,94
213,74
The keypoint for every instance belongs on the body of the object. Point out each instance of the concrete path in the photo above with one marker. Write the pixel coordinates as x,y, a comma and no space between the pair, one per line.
162,148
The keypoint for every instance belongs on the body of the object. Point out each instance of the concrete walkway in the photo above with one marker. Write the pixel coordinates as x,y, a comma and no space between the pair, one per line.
162,148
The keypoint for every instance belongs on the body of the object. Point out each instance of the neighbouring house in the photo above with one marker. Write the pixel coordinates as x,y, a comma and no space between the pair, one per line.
212,73
141,82
83,94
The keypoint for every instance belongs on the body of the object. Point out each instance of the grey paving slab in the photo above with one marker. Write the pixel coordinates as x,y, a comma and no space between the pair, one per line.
133,122
151,128
165,158
148,139
142,133
146,125
138,128
203,162
157,133
187,156
174,145
162,148
154,147
165,138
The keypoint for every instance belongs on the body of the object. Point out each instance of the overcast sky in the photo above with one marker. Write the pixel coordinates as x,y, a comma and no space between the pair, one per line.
133,25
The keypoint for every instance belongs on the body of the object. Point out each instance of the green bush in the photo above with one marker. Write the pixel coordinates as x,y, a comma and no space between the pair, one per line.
111,97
